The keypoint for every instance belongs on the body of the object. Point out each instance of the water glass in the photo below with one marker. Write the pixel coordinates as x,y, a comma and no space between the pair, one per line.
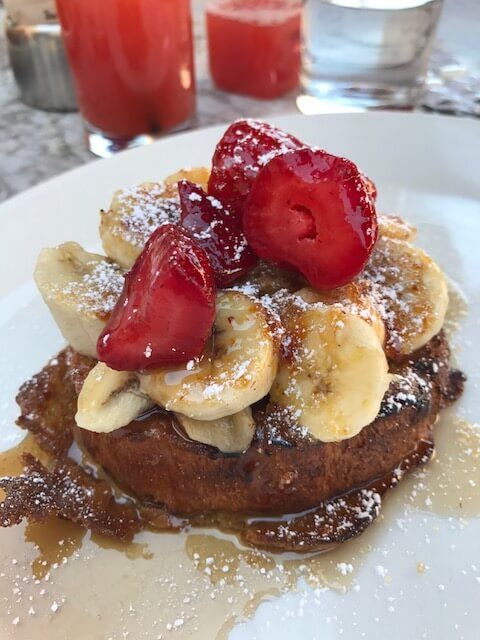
367,52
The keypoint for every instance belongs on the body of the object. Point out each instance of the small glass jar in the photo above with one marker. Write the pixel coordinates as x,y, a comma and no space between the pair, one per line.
254,46
132,63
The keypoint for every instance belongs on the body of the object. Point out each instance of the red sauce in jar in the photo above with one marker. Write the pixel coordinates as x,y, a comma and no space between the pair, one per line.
132,62
254,45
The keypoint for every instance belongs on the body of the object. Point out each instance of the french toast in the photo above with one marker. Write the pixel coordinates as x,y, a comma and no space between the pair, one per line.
272,362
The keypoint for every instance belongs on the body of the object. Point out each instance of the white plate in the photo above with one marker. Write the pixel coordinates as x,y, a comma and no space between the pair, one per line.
426,168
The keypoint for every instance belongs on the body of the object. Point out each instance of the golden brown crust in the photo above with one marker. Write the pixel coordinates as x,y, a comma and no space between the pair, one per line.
48,405
69,492
341,484
283,470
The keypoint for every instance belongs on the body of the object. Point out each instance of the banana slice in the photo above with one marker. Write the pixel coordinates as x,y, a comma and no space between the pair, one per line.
80,289
410,292
231,434
335,375
237,370
395,227
133,216
135,213
109,400
198,175
353,298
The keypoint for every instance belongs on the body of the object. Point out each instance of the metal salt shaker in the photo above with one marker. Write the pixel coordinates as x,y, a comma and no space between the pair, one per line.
40,66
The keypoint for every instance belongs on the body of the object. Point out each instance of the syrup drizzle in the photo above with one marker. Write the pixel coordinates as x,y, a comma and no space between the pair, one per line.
222,581
450,484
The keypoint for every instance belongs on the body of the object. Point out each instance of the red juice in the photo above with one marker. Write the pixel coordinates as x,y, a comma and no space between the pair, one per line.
132,63
254,45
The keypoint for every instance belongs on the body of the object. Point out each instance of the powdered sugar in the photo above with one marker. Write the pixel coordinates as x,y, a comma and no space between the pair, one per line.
406,390
282,426
140,210
97,292
396,283
259,135
216,204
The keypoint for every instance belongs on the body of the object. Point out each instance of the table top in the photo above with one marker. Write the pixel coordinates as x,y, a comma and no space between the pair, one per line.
36,145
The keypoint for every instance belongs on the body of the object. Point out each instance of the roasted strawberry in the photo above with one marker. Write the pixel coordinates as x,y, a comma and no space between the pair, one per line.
166,310
217,231
245,147
311,210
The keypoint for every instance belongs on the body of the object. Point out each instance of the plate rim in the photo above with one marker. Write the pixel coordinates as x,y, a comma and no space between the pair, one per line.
12,205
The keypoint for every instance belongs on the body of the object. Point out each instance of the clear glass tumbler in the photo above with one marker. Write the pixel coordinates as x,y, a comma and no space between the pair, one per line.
367,52
132,64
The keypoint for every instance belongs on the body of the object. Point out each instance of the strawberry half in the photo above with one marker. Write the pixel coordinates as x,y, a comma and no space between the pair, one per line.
311,210
217,231
166,310
245,147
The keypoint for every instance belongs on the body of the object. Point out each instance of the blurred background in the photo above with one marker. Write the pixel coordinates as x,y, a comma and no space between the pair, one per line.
141,69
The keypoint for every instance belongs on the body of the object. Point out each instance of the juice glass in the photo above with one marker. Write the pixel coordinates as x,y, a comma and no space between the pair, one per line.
132,64
254,45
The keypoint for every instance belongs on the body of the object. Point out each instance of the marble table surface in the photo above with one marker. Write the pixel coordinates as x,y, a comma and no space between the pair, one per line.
36,145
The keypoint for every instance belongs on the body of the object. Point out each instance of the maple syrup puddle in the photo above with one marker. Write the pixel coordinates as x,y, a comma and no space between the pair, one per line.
201,582
56,540
457,310
450,484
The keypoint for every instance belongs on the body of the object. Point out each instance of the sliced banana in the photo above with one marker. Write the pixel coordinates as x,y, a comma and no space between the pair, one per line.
133,216
109,400
135,213
395,227
198,175
231,434
335,375
236,371
410,292
352,297
80,289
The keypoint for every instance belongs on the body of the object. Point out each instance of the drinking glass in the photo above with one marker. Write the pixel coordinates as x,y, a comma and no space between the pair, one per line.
254,46
132,64
367,52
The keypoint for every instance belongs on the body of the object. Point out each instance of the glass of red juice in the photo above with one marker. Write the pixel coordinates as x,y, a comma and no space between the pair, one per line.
132,64
254,45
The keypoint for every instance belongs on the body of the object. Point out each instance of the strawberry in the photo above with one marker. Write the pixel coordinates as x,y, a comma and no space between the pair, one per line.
217,231
166,310
311,210
244,148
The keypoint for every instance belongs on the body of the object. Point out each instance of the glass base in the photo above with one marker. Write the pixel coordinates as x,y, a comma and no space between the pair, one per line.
105,146
363,96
